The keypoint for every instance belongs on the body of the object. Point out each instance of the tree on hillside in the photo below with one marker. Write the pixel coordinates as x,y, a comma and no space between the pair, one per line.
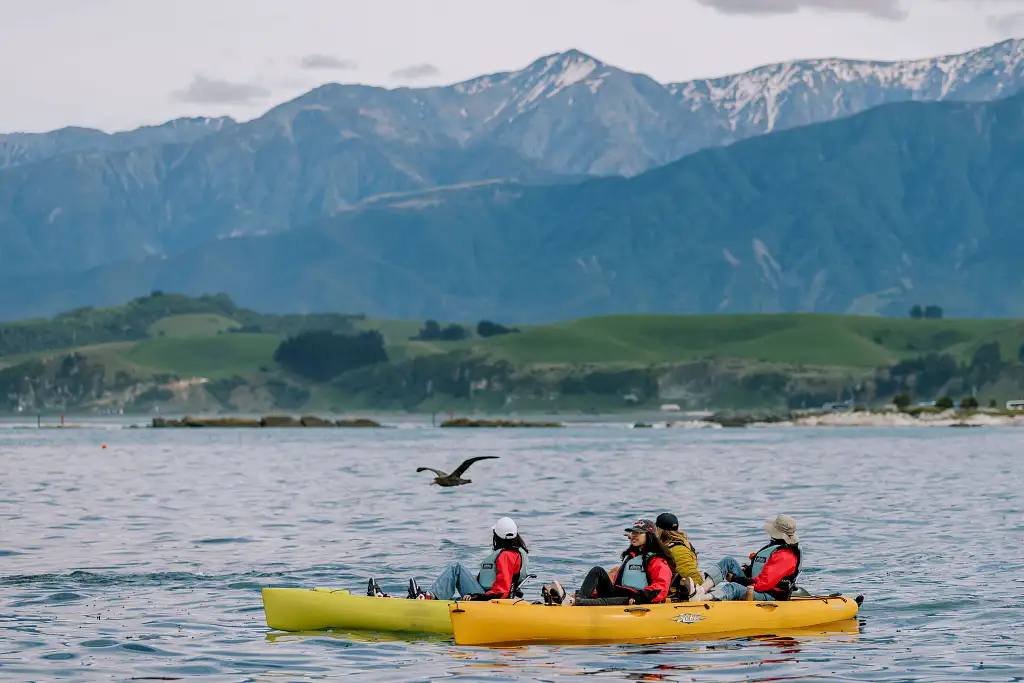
933,312
916,311
321,355
454,332
969,403
487,328
432,331
1020,354
901,401
992,403
944,402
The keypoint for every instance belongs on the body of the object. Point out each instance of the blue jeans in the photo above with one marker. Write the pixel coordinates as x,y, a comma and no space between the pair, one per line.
727,590
454,582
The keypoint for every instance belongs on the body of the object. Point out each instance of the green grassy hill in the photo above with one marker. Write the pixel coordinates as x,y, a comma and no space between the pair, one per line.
156,315
592,360
199,343
191,325
223,355
833,340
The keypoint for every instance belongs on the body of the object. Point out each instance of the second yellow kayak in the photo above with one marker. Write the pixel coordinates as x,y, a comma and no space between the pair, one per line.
506,622
312,609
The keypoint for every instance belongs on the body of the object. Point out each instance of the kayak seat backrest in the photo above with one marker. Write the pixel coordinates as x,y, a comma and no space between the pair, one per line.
516,591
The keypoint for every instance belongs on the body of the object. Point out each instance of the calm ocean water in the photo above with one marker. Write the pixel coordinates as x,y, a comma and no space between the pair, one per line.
145,560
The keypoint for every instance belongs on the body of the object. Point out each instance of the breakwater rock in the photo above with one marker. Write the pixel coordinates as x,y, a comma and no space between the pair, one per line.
465,422
267,421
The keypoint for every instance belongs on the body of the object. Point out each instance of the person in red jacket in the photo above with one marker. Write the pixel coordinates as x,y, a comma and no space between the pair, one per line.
643,577
498,573
771,574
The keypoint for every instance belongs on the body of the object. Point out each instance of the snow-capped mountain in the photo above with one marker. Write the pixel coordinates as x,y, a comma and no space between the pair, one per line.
542,80
572,113
576,114
569,112
798,93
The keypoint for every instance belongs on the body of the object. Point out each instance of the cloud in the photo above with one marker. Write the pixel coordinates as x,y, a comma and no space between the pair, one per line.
205,90
882,9
320,61
416,71
1007,25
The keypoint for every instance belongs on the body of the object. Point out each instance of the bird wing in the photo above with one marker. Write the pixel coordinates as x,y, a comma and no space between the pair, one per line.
466,463
437,472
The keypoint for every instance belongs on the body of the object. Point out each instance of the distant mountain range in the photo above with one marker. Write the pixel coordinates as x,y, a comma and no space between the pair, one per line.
574,114
90,217
903,204
17,149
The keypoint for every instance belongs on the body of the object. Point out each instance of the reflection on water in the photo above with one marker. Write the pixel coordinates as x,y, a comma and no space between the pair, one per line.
361,636
783,638
145,560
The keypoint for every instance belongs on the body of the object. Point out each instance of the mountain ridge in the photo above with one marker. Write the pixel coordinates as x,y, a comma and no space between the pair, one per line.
756,92
250,178
165,190
869,214
934,78
17,149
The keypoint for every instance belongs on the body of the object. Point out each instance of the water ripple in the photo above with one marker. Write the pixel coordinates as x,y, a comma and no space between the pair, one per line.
146,562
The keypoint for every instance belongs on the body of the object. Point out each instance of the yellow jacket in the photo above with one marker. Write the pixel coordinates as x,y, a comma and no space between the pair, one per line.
685,558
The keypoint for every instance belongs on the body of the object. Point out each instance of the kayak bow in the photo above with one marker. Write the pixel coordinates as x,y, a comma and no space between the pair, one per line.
312,609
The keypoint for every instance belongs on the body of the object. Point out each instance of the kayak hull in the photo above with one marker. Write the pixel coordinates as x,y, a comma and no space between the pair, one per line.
314,609
520,622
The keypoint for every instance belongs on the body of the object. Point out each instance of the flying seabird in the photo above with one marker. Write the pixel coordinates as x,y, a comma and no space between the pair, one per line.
455,478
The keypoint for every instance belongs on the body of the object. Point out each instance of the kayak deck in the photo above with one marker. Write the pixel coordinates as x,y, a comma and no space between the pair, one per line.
520,622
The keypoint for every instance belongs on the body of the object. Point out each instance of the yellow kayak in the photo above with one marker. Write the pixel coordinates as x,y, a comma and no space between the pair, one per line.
313,609
507,622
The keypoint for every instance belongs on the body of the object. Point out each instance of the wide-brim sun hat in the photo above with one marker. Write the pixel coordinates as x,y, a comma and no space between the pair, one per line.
783,527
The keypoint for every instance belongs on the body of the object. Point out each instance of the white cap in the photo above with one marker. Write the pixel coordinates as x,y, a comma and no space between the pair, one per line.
505,528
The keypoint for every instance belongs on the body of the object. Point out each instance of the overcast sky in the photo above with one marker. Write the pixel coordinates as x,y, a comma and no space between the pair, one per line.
118,64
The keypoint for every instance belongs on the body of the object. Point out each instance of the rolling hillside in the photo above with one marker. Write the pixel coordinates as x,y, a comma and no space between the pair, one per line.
210,344
191,360
830,340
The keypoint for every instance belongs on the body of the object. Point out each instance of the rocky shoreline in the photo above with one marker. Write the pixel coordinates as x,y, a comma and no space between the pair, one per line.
867,418
730,420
